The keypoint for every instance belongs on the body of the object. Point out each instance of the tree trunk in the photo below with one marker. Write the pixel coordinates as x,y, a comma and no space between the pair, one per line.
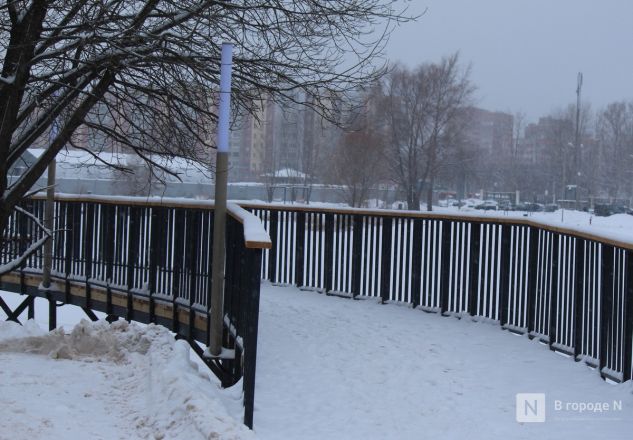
429,193
413,199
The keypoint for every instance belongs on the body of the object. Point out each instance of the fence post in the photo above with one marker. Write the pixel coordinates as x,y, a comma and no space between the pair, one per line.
131,259
194,245
329,252
300,248
253,263
628,317
606,302
578,296
385,259
532,287
445,266
473,282
154,242
416,262
357,249
553,300
69,234
504,290
108,219
88,212
272,255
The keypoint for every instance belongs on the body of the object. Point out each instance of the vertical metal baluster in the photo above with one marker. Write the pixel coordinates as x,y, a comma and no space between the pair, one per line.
553,296
606,302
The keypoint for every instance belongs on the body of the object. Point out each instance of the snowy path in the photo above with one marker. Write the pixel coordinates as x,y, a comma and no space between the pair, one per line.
41,395
332,368
328,368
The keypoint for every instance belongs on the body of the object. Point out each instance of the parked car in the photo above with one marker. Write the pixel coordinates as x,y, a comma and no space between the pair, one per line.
529,207
602,210
504,205
488,205
550,207
619,209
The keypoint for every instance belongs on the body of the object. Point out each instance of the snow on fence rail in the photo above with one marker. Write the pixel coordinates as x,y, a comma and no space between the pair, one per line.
147,260
568,287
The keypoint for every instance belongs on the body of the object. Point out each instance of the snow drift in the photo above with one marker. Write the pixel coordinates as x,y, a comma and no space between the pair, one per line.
151,386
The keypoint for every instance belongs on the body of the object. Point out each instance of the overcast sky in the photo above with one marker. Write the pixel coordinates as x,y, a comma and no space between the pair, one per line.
526,54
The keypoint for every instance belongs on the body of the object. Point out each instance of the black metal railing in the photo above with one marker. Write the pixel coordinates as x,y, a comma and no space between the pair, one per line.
571,289
148,261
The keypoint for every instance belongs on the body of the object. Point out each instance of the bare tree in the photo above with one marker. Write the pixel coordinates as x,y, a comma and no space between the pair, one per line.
450,91
405,106
143,74
562,155
422,108
356,163
614,133
463,162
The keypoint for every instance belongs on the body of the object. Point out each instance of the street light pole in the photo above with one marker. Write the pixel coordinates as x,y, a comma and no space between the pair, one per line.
577,140
219,216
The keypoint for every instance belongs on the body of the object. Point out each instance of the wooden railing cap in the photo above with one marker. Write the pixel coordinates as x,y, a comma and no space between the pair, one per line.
255,236
602,236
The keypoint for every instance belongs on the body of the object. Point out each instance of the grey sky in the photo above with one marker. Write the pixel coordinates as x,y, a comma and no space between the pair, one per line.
526,54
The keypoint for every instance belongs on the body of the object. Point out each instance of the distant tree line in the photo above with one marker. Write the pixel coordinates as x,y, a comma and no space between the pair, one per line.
408,131
411,130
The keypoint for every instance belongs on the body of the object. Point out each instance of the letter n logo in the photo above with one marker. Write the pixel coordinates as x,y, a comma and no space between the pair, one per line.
530,407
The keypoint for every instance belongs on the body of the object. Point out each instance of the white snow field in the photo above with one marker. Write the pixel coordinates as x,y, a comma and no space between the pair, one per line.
102,381
328,368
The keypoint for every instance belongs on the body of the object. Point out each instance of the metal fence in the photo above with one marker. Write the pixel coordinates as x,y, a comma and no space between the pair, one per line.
571,289
149,262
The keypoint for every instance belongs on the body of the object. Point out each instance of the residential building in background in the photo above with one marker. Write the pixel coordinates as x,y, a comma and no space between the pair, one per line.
541,140
287,136
490,132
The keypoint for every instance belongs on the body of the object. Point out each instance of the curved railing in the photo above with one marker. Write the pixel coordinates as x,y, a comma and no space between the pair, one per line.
147,260
571,288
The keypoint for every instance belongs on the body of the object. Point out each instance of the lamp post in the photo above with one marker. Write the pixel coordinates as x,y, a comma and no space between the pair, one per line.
219,217
577,139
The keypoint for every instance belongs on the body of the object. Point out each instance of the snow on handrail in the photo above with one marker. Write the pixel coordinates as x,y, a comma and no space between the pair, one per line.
255,236
616,239
258,240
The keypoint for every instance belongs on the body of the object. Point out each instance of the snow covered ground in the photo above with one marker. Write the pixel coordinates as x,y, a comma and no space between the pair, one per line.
102,381
328,368
336,368
617,225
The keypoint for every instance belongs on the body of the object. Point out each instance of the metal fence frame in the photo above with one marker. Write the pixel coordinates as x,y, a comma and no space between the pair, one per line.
571,289
147,261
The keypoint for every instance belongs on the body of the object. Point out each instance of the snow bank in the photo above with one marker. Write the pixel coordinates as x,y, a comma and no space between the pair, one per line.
99,341
12,330
162,393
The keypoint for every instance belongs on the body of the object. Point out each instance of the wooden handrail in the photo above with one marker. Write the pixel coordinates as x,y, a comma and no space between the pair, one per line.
257,240
255,236
601,237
